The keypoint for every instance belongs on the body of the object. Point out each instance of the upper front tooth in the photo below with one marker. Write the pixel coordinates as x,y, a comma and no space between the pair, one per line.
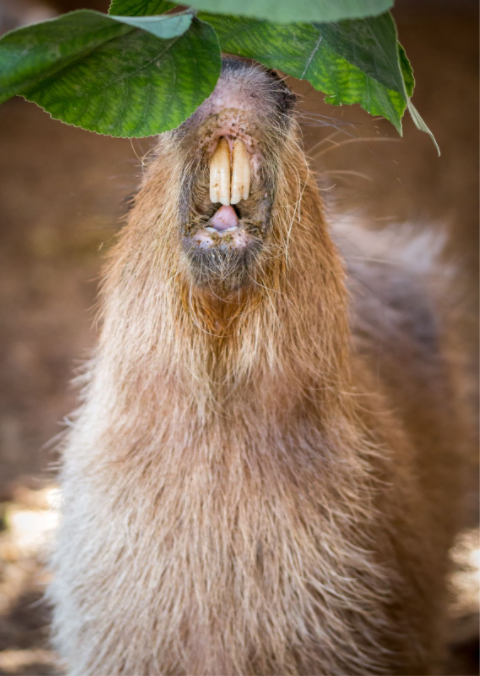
220,174
240,173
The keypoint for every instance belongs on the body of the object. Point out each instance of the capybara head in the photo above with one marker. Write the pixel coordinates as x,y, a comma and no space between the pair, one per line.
230,149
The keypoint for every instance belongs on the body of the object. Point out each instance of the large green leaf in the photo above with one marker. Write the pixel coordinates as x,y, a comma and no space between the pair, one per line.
279,11
109,76
351,62
30,54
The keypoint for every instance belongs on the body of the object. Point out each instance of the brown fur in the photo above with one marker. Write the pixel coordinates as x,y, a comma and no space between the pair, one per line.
246,489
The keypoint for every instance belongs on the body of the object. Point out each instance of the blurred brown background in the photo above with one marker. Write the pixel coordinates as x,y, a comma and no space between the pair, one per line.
62,196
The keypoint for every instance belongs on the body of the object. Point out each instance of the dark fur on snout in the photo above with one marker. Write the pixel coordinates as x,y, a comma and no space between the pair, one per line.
223,269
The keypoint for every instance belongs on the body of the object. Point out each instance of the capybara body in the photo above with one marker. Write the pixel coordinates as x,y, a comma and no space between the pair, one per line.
262,477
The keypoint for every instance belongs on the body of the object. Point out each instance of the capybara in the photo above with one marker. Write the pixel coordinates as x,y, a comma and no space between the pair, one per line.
263,476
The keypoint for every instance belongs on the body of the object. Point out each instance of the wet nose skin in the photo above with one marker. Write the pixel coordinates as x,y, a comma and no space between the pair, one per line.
254,92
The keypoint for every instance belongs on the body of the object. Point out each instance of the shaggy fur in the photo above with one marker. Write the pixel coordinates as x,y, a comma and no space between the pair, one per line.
262,476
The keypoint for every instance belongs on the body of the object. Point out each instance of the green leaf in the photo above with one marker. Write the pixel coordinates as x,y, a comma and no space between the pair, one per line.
351,62
106,75
420,124
140,7
278,11
407,71
29,55
370,45
409,86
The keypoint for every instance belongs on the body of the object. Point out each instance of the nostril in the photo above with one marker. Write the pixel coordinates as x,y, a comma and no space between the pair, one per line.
224,219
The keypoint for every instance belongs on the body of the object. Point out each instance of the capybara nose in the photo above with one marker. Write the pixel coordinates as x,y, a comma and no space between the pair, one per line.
248,91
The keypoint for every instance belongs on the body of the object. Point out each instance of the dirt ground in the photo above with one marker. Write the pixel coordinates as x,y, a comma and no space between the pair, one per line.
63,193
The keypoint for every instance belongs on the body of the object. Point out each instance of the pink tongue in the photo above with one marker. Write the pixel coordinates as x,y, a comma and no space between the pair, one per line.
224,218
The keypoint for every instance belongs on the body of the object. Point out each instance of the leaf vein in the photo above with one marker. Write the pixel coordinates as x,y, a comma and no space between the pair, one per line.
314,51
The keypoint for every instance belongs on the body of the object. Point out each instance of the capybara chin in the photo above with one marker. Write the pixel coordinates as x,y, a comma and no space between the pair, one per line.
262,476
